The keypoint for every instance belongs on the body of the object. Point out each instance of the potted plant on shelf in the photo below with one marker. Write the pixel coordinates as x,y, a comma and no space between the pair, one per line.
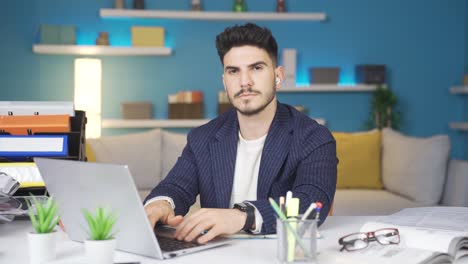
101,244
383,112
44,218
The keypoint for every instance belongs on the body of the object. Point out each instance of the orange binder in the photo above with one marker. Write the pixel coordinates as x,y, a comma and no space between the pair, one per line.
26,125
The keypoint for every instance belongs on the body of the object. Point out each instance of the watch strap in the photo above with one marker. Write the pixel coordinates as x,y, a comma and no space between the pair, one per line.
250,211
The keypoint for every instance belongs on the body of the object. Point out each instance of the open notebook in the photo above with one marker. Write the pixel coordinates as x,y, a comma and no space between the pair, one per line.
428,235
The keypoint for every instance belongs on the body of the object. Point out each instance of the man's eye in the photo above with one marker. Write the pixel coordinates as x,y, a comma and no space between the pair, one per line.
257,68
232,71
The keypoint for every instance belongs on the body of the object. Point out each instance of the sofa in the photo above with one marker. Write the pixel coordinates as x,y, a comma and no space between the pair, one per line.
379,173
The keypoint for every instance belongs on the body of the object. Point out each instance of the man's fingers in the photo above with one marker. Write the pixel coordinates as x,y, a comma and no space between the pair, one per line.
174,220
199,230
188,225
212,233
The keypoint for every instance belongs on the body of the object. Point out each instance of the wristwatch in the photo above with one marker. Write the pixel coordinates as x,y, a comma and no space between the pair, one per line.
250,210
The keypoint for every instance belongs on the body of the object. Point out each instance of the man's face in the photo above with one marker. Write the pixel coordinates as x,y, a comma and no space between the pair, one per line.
249,79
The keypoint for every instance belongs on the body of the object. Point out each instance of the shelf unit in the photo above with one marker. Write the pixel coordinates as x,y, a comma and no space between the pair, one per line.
329,88
153,123
459,126
162,123
204,15
459,90
101,50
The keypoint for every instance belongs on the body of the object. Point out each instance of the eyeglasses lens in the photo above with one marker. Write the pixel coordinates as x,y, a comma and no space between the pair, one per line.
355,241
387,236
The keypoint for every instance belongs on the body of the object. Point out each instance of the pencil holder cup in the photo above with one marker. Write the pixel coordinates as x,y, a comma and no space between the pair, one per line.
297,240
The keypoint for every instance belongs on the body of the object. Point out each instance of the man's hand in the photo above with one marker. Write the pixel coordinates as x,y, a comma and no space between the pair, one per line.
162,211
215,221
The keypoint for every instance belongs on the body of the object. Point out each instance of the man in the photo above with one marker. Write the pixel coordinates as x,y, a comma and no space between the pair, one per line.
257,150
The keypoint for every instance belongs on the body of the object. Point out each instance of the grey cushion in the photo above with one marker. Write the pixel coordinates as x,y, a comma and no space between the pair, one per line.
140,151
415,167
456,187
172,146
369,202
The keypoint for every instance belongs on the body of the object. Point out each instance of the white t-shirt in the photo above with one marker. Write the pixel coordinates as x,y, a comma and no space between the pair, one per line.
244,187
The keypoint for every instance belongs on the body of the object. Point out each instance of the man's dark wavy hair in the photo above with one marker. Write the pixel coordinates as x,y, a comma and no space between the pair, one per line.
248,34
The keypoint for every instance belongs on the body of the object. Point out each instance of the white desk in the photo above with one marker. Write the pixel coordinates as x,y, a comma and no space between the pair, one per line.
14,247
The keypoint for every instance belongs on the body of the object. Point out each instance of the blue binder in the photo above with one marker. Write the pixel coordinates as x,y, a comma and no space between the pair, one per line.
33,146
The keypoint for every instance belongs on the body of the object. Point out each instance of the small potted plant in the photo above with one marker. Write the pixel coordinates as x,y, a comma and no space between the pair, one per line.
101,244
44,218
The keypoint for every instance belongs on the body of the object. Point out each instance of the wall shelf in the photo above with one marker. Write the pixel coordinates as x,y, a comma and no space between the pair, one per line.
162,123
101,50
459,90
463,126
203,15
153,123
329,88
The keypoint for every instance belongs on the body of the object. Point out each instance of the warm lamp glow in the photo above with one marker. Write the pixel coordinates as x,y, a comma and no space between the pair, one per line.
88,74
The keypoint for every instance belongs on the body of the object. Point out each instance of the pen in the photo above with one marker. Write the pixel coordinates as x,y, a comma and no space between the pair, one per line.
288,226
319,207
281,204
309,210
288,199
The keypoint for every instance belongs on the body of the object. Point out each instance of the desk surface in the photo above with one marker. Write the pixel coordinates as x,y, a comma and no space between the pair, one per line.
14,248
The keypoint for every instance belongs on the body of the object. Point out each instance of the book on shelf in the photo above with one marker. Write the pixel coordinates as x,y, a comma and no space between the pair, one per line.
427,235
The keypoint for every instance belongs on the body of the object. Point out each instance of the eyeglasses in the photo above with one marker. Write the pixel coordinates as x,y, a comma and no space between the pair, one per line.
357,241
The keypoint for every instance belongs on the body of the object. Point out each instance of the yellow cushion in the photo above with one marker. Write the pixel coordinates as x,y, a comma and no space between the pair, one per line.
90,153
359,157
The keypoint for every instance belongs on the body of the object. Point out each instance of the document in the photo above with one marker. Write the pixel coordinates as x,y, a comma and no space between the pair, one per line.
438,233
26,173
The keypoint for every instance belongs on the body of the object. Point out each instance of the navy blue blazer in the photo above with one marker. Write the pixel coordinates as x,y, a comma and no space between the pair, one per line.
298,155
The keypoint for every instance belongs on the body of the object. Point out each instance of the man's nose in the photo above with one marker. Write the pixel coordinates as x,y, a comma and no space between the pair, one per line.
246,80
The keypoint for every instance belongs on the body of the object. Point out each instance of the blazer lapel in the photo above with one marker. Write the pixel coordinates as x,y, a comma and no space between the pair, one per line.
223,153
275,151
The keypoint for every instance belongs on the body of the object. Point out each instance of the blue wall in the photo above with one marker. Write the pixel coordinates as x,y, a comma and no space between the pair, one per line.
422,42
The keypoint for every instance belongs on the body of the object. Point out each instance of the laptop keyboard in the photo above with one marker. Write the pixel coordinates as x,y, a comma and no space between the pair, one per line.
171,244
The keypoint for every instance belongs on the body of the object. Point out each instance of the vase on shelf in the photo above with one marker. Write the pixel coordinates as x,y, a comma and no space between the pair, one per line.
103,39
196,5
281,6
138,4
119,4
239,6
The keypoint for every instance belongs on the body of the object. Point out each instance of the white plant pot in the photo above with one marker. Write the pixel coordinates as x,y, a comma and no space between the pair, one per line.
41,247
100,251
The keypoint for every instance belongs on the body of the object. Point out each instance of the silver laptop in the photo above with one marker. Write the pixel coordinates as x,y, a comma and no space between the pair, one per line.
81,185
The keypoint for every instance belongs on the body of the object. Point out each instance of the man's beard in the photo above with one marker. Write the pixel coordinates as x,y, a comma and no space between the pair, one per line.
251,112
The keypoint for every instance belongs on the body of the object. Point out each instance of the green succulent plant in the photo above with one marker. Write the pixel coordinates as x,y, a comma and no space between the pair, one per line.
100,224
44,218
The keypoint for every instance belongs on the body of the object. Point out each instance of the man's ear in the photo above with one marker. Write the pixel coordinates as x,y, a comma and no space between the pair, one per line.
279,73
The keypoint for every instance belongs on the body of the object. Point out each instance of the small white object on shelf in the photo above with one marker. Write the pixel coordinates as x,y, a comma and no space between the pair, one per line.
459,90
101,50
203,15
329,88
459,126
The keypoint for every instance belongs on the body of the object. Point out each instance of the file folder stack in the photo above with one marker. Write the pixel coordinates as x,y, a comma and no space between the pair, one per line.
38,129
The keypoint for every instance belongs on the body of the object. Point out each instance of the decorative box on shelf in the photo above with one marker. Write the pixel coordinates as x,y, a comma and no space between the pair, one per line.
137,110
186,105
185,110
